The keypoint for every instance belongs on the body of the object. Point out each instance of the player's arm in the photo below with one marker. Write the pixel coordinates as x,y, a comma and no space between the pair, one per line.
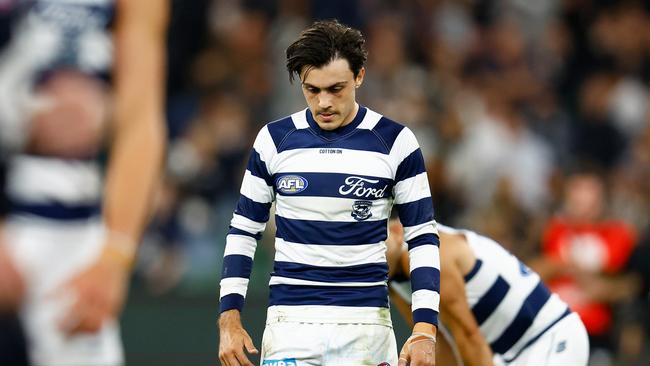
398,259
136,153
246,227
415,208
138,134
455,311
547,268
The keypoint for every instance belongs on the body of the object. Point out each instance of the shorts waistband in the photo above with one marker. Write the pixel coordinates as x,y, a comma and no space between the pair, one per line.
329,314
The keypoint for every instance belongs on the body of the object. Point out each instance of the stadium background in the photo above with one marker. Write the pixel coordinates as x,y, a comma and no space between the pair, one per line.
507,98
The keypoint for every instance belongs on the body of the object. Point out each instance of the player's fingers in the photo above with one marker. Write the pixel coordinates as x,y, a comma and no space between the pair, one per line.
422,353
229,360
242,359
403,357
70,321
223,361
82,317
233,355
92,322
250,347
87,325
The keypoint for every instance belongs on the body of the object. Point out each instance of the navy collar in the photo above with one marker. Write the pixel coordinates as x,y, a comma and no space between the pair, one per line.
339,132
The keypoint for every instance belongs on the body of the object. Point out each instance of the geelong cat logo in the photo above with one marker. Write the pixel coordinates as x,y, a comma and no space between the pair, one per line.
361,210
291,184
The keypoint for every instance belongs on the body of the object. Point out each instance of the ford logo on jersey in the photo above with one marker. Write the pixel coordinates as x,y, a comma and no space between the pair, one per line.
358,186
291,184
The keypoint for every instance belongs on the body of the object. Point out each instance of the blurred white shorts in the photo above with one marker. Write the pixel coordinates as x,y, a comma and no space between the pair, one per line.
289,343
48,253
566,343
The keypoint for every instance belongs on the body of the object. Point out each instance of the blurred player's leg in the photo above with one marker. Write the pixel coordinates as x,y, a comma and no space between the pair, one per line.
12,343
48,255
54,229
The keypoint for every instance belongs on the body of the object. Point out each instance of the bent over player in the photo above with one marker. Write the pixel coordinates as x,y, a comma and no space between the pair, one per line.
335,170
493,304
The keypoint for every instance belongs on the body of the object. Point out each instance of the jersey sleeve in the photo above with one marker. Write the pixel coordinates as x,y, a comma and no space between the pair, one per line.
247,224
415,208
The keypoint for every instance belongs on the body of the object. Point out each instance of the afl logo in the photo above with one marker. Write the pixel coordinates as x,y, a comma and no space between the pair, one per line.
291,184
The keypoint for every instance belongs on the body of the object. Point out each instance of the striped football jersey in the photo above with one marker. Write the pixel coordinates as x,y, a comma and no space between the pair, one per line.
511,305
333,193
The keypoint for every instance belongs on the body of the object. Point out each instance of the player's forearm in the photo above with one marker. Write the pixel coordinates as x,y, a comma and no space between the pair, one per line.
138,133
134,169
425,282
230,319
473,350
237,263
471,344
546,268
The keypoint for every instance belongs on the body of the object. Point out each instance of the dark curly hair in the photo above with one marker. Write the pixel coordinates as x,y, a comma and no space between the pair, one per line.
323,42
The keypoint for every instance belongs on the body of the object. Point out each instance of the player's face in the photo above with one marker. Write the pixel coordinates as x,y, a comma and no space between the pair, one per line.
330,93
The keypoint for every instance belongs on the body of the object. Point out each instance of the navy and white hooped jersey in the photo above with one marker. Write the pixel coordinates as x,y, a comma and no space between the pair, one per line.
334,191
49,35
510,303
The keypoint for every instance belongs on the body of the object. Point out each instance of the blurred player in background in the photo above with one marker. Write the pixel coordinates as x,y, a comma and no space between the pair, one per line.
583,252
493,304
334,170
71,239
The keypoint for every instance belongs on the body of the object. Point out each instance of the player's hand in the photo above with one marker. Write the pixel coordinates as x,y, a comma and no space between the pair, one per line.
98,294
419,350
233,340
11,283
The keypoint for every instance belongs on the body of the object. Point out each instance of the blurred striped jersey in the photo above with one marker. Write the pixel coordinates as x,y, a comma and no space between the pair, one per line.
510,303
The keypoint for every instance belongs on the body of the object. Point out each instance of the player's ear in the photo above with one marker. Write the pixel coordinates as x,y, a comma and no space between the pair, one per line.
359,79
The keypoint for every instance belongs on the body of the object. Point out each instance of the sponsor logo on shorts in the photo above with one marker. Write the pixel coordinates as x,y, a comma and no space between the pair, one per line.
560,347
361,210
384,364
282,362
291,184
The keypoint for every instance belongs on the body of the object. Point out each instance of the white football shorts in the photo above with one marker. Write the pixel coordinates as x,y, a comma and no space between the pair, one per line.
48,253
298,343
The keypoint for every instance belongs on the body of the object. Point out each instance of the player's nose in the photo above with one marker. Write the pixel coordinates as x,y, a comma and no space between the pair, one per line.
324,101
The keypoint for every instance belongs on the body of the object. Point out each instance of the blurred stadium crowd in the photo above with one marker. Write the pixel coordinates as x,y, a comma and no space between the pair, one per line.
512,100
